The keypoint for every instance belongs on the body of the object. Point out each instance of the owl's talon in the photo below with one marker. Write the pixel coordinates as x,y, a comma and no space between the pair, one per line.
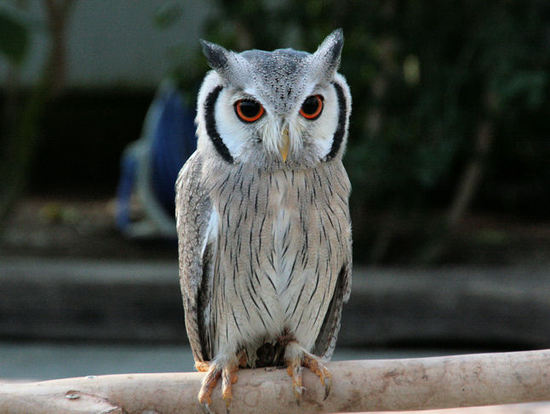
294,370
208,384
206,408
229,377
314,364
328,386
296,358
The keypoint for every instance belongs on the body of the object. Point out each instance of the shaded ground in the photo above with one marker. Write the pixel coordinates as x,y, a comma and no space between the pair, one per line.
55,227
62,227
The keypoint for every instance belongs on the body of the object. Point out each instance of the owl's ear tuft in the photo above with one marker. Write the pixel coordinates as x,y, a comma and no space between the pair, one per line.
216,55
227,64
327,55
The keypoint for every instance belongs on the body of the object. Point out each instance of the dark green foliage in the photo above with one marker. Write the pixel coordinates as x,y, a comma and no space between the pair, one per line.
14,38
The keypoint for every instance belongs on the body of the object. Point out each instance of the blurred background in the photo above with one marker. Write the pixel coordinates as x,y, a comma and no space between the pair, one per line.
448,156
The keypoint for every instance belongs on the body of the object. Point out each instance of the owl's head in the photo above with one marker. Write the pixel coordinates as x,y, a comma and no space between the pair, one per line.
280,109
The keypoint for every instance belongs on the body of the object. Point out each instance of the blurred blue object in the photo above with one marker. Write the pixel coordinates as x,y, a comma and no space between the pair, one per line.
174,142
150,165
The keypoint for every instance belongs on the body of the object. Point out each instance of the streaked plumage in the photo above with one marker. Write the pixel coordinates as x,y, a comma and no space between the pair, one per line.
265,237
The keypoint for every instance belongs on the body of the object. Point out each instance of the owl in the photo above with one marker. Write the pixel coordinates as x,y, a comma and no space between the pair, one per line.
262,214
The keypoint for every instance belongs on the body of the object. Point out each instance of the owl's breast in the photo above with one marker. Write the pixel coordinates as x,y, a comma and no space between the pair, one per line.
278,253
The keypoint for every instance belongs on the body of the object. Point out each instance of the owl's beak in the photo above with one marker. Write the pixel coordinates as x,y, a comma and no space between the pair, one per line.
284,145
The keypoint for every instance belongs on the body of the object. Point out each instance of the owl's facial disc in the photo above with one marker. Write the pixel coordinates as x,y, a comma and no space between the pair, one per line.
269,129
277,108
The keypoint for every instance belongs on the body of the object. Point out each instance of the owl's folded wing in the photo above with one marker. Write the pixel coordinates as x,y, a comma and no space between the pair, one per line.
326,340
193,220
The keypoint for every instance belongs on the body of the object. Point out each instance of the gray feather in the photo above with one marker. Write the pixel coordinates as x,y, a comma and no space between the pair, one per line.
326,341
193,209
326,58
216,55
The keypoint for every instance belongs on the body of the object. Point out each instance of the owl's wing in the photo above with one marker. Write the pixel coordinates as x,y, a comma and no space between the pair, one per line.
193,211
326,340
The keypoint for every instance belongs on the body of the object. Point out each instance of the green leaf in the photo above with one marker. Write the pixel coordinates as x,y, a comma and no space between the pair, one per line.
14,38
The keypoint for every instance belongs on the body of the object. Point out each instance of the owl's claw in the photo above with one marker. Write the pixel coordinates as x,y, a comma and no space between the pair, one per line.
208,384
229,377
214,370
328,386
298,358
314,364
206,409
294,370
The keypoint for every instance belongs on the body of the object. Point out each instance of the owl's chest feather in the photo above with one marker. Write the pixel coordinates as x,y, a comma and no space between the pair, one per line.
277,252
283,210
263,221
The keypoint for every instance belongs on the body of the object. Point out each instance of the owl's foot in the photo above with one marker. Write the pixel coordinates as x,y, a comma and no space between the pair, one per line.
208,384
297,357
228,373
315,365
294,369
229,377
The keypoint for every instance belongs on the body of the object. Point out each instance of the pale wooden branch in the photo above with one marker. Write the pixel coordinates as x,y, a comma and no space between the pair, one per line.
400,384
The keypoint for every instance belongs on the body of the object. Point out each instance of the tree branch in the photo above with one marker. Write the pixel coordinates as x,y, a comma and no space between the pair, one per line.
401,384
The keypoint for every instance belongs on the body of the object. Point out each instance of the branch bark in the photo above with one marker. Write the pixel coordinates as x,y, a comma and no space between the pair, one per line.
401,384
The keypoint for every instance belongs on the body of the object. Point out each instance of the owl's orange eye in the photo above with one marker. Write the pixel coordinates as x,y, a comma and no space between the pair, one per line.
312,107
248,110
